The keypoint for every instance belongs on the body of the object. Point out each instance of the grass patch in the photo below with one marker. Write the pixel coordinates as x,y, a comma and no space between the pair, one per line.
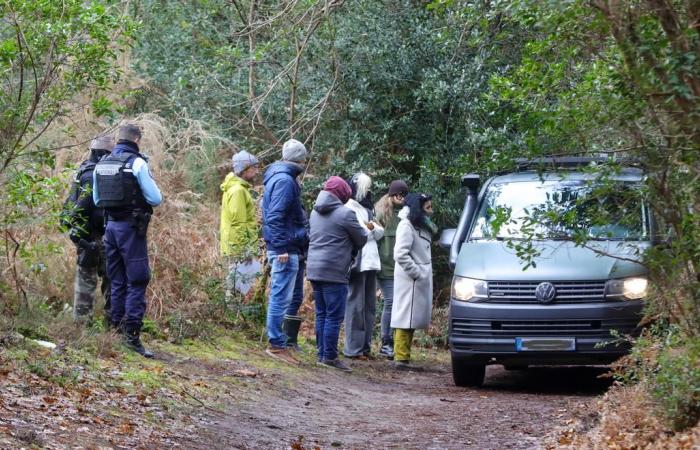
148,379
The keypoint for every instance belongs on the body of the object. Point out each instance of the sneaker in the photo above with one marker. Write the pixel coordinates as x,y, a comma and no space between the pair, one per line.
387,351
335,364
282,354
357,357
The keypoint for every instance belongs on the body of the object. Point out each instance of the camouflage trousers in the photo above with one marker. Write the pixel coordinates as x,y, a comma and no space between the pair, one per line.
86,284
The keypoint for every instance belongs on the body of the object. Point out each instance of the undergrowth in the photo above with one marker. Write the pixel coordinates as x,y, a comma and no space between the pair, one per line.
666,362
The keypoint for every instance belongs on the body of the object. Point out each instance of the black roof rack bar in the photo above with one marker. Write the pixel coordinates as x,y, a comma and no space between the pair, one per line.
570,162
563,162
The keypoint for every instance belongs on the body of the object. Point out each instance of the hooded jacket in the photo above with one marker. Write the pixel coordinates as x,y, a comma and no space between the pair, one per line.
284,221
336,236
239,230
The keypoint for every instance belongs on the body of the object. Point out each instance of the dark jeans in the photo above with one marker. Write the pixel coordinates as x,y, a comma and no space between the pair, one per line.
128,271
298,295
387,287
330,308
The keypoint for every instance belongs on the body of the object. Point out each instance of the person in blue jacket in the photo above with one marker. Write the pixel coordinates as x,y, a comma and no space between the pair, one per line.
286,237
124,187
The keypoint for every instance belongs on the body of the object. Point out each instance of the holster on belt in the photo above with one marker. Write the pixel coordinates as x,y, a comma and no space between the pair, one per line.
140,220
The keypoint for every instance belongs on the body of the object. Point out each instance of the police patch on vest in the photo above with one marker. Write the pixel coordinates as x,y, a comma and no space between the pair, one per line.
107,170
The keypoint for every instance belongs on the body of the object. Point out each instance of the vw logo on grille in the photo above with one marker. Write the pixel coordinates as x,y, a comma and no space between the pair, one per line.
545,292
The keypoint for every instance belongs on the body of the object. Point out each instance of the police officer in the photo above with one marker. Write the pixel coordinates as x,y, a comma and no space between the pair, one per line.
87,226
123,185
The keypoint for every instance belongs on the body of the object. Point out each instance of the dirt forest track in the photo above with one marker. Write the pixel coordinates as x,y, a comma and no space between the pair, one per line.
376,407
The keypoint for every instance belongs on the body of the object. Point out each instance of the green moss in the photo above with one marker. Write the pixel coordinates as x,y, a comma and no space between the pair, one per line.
145,379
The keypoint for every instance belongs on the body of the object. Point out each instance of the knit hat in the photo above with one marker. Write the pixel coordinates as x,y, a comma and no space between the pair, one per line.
398,187
294,151
242,160
338,187
102,142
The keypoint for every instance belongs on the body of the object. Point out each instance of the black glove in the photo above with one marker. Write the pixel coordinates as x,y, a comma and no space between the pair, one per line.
88,254
75,236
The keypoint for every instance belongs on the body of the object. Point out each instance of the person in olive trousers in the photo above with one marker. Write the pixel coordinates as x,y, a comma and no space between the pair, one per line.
413,274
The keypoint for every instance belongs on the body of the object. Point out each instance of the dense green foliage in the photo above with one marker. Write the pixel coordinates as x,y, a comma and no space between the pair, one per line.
386,87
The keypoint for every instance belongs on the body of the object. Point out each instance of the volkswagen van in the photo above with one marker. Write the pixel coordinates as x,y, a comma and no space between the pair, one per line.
576,300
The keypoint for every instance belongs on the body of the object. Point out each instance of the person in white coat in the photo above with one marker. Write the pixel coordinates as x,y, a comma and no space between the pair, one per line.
362,294
413,274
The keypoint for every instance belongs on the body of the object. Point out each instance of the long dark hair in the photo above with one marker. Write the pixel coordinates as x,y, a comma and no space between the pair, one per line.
415,202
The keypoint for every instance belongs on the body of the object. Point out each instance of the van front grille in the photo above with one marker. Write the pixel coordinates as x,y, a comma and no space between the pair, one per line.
487,329
568,292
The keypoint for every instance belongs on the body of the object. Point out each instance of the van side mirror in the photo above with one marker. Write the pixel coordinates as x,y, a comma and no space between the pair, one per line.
446,237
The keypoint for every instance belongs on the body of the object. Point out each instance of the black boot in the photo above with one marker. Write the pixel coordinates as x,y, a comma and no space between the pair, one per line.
132,339
290,326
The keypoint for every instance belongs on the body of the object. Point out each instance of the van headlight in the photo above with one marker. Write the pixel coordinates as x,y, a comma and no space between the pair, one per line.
468,289
633,288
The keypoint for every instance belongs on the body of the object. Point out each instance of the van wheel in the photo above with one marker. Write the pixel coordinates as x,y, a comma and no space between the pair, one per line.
467,374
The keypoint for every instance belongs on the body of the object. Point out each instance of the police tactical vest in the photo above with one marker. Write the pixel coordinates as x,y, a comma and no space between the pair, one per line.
71,203
117,185
74,194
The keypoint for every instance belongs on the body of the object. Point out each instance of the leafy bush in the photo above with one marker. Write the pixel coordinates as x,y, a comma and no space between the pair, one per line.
675,383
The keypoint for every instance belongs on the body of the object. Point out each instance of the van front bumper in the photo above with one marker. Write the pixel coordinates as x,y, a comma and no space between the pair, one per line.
487,332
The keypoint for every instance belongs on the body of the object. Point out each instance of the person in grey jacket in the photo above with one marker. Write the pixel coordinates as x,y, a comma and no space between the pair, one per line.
336,237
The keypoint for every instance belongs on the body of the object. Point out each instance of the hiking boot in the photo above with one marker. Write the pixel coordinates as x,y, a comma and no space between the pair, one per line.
387,351
335,364
282,354
357,357
132,340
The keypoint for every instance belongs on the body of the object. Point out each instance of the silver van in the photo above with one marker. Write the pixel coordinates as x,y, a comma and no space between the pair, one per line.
572,306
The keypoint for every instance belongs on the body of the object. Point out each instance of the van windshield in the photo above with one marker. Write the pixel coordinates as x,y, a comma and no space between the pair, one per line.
562,209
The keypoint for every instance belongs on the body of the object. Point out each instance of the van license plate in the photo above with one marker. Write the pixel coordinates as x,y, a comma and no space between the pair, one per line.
544,344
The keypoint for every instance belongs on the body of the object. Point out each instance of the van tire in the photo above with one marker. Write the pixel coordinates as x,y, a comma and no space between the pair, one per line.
466,373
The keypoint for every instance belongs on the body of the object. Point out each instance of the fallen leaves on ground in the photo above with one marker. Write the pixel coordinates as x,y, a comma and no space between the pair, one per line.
54,401
623,419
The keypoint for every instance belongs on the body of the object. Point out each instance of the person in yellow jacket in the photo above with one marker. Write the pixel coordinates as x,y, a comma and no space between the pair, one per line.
239,229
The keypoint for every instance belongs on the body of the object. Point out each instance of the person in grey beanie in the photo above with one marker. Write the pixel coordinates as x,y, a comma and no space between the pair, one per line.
294,151
286,236
239,232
